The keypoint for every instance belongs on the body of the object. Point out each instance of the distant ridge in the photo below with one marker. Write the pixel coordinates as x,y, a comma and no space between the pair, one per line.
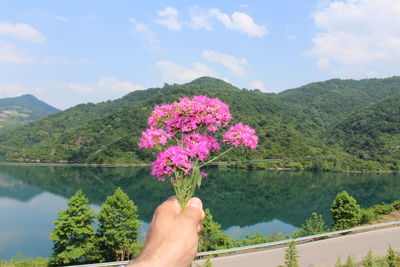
319,126
16,111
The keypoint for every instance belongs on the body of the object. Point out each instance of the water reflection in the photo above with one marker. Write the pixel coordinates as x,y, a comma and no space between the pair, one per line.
241,201
25,226
265,228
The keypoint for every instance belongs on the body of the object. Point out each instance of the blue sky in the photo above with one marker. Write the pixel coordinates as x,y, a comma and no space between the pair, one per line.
68,52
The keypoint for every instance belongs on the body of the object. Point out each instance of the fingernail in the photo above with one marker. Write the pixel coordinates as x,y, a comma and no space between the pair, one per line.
195,202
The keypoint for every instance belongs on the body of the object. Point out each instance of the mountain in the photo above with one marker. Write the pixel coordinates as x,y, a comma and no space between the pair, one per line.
296,128
331,101
109,132
372,132
19,110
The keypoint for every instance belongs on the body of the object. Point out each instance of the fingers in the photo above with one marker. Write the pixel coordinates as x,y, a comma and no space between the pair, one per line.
171,208
166,210
171,205
194,209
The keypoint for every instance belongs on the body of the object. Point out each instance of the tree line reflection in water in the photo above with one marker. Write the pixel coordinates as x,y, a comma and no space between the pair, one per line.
236,197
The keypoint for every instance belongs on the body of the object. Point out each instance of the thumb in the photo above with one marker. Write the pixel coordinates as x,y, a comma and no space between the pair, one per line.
194,209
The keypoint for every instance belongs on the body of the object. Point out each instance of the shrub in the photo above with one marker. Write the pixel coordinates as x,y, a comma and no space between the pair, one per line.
312,226
345,211
211,236
368,216
392,257
383,209
396,204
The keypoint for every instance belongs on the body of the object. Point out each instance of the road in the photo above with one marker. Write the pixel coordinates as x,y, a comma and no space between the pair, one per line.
319,253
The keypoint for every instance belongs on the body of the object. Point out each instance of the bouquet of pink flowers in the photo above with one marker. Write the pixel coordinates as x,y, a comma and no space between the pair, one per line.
189,125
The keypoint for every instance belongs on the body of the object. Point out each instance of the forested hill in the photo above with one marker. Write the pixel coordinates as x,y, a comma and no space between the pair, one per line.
289,125
372,132
332,100
16,111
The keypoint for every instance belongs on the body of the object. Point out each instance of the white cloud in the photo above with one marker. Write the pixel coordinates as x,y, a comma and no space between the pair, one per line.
21,31
10,53
15,89
200,19
174,73
257,84
116,85
236,65
169,18
81,88
358,36
168,11
104,85
75,93
239,21
144,31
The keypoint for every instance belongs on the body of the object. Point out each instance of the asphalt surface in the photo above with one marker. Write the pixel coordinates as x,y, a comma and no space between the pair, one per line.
319,253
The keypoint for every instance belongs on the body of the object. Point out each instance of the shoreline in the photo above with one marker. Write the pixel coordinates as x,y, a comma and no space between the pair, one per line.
130,165
71,164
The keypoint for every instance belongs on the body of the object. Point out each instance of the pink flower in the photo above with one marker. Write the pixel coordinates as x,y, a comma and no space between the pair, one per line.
159,115
200,146
189,114
172,159
152,137
240,134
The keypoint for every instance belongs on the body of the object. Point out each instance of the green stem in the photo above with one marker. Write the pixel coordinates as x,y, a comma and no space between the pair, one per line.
185,186
217,157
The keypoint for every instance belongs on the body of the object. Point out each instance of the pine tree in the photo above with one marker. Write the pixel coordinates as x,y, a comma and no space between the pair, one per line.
369,260
211,236
291,255
392,257
345,211
350,262
118,228
73,235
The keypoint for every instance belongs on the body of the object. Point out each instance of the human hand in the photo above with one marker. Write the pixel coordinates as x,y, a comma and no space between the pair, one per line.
173,236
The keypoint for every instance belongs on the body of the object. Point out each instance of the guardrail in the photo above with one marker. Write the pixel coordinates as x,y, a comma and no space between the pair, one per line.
269,245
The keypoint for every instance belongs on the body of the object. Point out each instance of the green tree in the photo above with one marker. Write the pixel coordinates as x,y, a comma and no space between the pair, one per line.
118,228
392,257
73,235
339,263
291,255
369,260
211,236
350,262
312,226
345,211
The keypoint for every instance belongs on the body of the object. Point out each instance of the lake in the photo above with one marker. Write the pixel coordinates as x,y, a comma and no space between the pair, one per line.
242,201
